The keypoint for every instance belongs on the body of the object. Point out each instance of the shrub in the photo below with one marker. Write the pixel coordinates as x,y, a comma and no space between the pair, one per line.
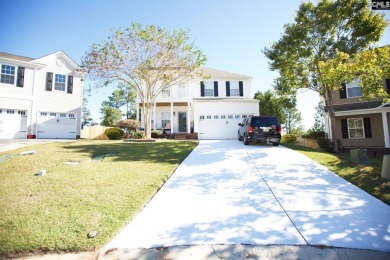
138,135
156,133
289,138
315,134
326,144
128,126
114,133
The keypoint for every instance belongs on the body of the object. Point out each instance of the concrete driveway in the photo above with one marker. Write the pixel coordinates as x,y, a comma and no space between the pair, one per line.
227,193
12,144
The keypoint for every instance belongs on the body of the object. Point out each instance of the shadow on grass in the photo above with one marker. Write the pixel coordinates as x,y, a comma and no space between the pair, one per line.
167,152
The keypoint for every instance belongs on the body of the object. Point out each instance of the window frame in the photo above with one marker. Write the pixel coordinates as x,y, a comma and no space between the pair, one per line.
57,82
208,86
356,128
165,118
14,75
353,85
232,86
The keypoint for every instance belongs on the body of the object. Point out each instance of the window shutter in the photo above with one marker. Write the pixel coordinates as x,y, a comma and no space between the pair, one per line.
202,89
343,91
228,88
215,88
367,127
20,80
49,81
70,84
388,85
241,86
344,128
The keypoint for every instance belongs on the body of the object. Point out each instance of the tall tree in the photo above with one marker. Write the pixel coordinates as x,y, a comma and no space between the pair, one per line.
110,115
147,58
293,120
271,105
319,119
318,32
86,113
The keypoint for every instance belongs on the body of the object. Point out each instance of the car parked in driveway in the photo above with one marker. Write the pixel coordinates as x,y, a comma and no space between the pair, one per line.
265,129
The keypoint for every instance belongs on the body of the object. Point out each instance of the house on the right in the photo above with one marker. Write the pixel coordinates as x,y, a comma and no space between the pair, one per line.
361,124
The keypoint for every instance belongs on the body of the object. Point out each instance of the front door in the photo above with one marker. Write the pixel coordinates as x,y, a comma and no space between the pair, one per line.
182,121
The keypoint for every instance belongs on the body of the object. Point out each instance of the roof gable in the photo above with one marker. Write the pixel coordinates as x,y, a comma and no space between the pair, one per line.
209,73
59,55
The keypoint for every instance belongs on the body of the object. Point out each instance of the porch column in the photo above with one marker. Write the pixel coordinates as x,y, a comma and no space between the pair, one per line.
172,124
385,129
154,116
137,111
188,117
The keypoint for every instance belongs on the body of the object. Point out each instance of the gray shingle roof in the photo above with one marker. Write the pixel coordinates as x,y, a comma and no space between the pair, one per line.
15,57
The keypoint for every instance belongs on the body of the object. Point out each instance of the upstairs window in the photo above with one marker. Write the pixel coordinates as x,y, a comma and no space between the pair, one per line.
234,89
59,83
353,89
181,91
7,74
166,93
209,89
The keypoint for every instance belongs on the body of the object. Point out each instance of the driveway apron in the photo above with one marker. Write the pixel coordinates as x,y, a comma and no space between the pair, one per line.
228,193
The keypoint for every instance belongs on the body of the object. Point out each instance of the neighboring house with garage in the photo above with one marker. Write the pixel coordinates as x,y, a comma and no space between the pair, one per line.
360,124
40,98
211,105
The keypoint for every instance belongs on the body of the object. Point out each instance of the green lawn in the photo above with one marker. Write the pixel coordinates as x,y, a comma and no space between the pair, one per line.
367,178
55,212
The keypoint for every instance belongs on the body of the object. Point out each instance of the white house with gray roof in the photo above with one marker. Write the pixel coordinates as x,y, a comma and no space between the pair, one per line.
40,98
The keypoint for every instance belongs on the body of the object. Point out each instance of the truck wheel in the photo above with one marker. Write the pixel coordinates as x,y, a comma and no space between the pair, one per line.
246,140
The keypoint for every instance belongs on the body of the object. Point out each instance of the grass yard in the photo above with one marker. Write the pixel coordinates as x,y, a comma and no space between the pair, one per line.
367,178
55,212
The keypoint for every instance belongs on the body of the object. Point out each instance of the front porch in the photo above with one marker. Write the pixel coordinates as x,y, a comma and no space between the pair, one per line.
170,117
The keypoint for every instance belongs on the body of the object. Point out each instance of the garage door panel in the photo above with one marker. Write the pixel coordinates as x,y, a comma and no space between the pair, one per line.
63,127
219,128
13,125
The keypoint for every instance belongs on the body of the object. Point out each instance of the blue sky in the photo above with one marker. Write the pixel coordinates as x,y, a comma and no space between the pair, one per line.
231,33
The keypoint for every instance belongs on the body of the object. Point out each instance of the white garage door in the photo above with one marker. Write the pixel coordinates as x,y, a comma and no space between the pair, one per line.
219,126
56,125
13,124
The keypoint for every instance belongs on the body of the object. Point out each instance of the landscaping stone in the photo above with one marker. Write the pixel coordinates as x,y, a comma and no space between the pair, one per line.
92,234
41,172
72,163
140,140
28,152
5,158
111,154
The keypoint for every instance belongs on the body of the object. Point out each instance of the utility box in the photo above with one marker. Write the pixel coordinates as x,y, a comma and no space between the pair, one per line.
359,156
386,167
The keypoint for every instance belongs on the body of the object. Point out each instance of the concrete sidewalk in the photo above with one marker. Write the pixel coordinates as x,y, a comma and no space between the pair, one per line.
226,194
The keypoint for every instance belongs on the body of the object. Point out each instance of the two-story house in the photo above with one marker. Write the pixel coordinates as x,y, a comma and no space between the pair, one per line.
360,124
40,98
211,106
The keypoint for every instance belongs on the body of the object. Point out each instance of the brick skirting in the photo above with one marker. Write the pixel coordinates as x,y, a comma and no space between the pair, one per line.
179,136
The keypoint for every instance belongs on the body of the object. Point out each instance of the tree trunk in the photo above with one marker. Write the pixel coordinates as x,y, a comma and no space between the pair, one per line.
330,105
147,127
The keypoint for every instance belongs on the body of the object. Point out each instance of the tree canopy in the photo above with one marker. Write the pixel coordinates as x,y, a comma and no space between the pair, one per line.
149,59
313,52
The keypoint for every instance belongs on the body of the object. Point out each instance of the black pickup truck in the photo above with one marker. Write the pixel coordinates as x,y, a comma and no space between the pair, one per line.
260,129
